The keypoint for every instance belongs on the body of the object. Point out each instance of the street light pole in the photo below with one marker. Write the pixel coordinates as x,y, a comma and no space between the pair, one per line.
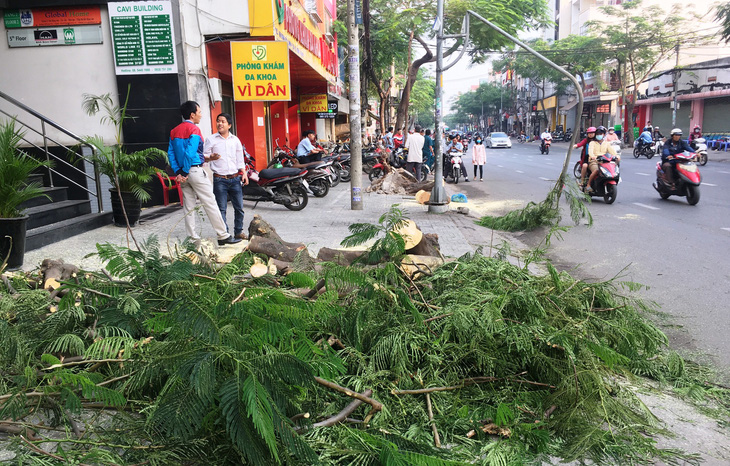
437,202
675,82
353,61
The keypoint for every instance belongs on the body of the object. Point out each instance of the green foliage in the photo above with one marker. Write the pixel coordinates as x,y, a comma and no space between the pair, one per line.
486,98
391,245
545,213
15,168
129,172
723,16
214,365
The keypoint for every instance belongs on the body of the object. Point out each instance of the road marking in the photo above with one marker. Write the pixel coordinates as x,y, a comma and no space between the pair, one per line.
721,171
545,179
726,229
646,206
643,174
708,184
500,166
519,171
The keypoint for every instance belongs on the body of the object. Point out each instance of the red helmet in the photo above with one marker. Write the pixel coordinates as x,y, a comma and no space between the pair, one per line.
592,129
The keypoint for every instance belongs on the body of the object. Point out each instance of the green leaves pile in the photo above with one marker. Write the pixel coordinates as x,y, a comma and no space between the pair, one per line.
202,365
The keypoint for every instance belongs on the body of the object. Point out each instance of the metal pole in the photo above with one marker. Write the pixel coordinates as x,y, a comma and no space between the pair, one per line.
675,81
353,60
437,203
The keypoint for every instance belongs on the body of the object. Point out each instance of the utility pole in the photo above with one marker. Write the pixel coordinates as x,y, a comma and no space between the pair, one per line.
675,82
353,60
437,203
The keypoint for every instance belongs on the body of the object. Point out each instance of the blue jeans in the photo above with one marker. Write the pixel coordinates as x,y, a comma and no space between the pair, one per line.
230,189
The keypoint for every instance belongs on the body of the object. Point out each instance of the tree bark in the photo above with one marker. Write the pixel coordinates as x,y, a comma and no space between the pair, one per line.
278,249
411,75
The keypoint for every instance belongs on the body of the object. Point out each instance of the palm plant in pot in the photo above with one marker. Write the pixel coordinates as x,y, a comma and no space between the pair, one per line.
129,173
15,168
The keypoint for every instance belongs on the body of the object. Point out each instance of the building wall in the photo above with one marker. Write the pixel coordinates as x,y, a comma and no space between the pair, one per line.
53,79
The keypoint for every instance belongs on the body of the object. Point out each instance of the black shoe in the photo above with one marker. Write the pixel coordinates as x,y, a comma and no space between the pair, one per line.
229,240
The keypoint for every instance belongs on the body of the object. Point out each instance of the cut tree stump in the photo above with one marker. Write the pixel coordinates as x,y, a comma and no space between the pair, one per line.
416,266
428,246
339,256
262,228
410,233
56,270
276,248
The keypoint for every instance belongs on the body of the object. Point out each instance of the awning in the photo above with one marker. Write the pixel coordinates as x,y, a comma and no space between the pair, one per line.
569,105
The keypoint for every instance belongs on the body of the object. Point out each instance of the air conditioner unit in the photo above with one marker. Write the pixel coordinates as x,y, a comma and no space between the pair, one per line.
216,89
330,38
311,7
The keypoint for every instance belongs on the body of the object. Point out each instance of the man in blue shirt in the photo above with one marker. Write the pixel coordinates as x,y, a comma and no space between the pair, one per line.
646,139
306,152
674,145
185,153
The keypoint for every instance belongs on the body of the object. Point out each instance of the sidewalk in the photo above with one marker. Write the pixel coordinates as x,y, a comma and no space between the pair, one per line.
323,223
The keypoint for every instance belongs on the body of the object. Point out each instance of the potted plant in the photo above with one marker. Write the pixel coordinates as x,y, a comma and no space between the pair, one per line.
15,168
129,173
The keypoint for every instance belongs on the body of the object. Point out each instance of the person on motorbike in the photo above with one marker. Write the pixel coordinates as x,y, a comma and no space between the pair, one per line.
675,145
590,136
658,136
595,149
545,136
611,136
646,138
695,134
456,146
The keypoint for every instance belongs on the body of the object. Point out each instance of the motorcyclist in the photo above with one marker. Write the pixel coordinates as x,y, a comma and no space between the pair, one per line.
545,136
646,138
590,136
658,136
456,146
674,145
596,148
611,136
696,133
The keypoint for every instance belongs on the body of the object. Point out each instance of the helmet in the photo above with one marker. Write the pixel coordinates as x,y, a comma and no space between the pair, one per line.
647,128
592,129
676,131
697,127
601,129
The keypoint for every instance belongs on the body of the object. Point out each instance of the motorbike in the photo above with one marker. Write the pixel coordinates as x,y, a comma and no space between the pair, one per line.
687,178
545,146
568,135
452,165
647,150
319,174
606,183
700,147
398,157
278,185
617,147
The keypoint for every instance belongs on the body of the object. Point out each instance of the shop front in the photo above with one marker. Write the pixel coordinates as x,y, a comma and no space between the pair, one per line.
275,82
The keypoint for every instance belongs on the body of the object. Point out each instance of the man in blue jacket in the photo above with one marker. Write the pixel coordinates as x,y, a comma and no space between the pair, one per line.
674,145
185,153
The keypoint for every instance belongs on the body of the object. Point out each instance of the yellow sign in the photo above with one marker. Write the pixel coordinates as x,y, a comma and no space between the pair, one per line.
313,103
547,103
260,71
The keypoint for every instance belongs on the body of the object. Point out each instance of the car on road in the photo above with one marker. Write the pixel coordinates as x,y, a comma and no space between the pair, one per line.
498,140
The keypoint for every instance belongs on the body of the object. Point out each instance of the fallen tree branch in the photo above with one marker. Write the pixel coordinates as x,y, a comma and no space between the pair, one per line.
464,383
339,417
438,317
436,438
10,288
315,290
46,453
85,361
376,405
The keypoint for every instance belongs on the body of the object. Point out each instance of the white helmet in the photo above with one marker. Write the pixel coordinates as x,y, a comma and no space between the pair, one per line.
676,131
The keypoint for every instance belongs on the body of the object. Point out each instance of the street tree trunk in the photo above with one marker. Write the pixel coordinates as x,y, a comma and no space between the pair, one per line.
402,116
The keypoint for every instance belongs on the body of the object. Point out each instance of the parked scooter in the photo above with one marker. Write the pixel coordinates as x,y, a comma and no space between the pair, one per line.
687,179
568,135
278,185
319,174
606,183
700,147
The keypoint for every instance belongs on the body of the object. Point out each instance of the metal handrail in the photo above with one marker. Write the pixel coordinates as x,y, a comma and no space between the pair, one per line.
46,138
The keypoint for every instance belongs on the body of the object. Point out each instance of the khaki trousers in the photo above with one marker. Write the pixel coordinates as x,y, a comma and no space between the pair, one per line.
200,184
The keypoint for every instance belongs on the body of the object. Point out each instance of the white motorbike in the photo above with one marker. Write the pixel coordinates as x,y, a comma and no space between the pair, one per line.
700,147
452,165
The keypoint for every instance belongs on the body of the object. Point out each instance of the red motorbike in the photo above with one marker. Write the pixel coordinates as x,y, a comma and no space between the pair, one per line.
606,183
687,178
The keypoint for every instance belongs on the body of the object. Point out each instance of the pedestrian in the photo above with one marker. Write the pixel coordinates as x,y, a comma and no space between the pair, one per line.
398,139
478,158
185,153
428,148
414,144
225,152
388,138
306,152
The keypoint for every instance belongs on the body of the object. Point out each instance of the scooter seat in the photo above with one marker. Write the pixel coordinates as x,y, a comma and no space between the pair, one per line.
271,173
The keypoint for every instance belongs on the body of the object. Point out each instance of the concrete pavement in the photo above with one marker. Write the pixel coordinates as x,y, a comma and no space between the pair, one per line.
323,223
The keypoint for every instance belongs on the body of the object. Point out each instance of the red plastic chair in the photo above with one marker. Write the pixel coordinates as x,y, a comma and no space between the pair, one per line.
169,184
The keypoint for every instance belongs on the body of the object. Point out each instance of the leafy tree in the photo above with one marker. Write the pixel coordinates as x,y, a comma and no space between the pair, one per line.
640,39
422,98
486,97
723,15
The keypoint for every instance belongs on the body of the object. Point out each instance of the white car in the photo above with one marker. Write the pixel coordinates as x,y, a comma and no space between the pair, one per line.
498,140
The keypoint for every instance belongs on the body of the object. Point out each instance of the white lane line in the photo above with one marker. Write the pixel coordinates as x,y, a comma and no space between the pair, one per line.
708,184
646,206
643,174
544,179
722,171
519,171
726,229
500,166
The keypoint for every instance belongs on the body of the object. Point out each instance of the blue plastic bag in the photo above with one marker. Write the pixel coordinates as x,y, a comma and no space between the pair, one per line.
459,197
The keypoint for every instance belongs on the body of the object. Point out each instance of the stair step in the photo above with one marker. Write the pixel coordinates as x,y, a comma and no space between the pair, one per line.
56,212
57,194
49,234
35,177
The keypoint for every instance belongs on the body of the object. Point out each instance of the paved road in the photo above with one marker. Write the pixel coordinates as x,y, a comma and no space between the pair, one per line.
679,251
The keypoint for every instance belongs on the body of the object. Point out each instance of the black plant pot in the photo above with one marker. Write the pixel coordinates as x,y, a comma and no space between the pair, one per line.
15,229
132,205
